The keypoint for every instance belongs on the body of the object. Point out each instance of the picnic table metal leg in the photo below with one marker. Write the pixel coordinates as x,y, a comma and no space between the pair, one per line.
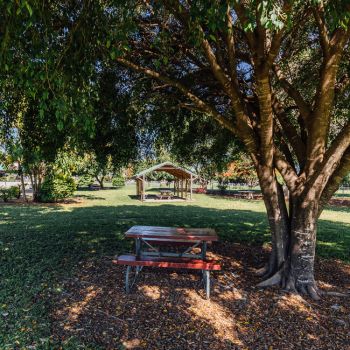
138,248
129,281
204,250
206,280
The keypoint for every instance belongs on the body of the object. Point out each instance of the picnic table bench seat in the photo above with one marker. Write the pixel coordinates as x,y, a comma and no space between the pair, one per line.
177,263
164,242
165,262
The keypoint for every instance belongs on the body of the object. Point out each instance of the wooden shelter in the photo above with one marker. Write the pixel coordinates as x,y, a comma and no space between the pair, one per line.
182,184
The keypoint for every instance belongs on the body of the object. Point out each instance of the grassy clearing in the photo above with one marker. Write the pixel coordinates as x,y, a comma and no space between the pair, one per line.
43,244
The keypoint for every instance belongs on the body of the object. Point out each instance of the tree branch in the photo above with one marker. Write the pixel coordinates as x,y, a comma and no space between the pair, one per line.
231,46
290,131
333,184
202,105
241,14
304,107
278,36
286,170
322,28
330,162
319,121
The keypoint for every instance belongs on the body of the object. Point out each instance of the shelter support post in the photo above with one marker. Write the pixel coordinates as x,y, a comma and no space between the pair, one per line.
143,188
191,183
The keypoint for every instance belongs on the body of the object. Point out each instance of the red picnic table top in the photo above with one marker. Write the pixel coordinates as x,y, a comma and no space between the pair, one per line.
172,233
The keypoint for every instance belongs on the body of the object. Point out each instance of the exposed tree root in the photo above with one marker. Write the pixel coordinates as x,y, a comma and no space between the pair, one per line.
336,294
302,290
288,283
273,280
313,292
262,271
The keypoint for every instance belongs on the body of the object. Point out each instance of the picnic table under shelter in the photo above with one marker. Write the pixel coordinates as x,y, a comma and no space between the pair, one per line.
183,183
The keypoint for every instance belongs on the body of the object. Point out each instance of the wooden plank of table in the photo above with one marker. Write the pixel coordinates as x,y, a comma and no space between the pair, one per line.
132,260
173,233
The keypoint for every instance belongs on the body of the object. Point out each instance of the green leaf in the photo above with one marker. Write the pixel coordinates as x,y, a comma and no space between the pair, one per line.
30,10
45,95
60,125
212,37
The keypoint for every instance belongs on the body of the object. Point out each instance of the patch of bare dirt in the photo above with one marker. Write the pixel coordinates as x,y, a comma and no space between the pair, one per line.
167,309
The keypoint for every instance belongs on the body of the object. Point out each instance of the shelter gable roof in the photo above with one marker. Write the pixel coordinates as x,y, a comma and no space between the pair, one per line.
167,167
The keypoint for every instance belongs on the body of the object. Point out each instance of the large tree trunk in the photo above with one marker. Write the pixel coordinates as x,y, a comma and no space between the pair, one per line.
291,262
278,221
300,271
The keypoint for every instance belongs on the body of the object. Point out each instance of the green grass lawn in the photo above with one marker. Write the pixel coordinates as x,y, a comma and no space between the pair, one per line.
43,244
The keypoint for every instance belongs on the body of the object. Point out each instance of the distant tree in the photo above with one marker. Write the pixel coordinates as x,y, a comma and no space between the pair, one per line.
94,168
241,170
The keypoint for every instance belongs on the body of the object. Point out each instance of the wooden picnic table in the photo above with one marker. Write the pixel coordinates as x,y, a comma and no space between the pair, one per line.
172,233
247,194
165,193
154,246
150,236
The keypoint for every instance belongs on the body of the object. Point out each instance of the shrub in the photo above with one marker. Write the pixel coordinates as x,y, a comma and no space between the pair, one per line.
56,187
85,181
9,193
5,194
118,181
15,191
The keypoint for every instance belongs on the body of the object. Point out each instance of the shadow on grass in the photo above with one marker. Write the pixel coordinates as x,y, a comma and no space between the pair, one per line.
341,195
43,245
338,208
89,197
